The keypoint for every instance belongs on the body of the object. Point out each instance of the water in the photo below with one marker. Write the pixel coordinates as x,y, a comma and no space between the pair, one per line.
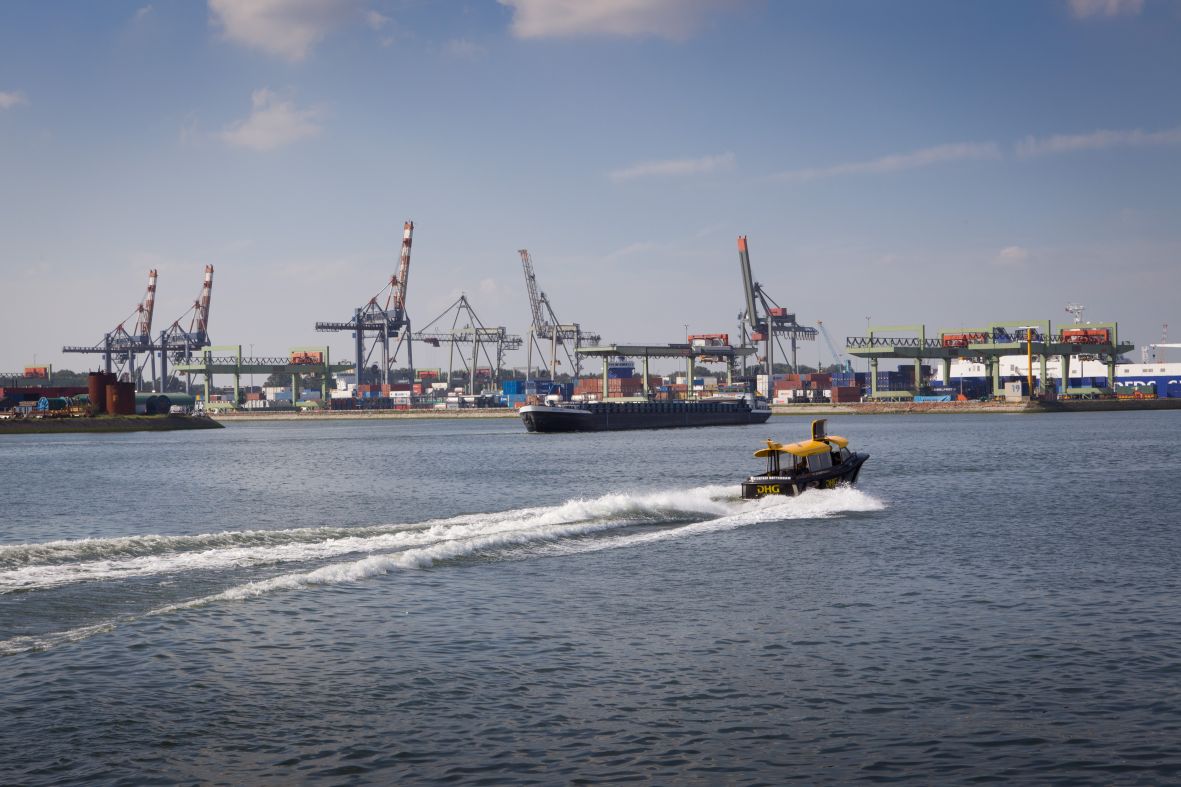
459,601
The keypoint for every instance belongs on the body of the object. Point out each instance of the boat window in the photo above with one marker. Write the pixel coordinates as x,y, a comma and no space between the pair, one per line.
819,462
844,454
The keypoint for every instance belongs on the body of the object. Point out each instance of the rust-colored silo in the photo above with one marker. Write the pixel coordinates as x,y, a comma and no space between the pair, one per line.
126,399
96,388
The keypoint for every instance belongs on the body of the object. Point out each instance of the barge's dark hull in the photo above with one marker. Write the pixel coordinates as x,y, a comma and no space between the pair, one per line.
613,416
791,485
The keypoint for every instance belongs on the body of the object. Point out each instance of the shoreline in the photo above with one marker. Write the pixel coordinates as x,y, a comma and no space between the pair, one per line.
853,408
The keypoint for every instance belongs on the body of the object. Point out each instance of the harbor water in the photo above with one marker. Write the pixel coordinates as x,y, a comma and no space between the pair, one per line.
458,601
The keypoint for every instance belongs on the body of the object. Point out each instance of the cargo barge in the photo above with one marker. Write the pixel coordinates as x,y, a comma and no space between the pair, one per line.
106,424
614,416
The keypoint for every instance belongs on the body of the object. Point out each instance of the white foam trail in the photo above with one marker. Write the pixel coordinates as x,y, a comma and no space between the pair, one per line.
813,505
822,504
10,647
531,528
109,559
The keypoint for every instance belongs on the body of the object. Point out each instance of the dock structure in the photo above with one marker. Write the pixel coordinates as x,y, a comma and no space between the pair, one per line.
228,359
690,352
1032,338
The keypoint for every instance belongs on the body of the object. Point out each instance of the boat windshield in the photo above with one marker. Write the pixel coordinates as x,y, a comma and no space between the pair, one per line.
819,462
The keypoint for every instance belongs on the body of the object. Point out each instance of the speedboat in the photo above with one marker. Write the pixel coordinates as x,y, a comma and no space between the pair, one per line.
822,462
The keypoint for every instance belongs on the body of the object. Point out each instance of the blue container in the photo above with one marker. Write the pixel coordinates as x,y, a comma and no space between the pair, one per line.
620,371
513,387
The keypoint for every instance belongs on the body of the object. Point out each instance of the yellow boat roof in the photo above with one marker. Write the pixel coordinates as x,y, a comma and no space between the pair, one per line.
803,447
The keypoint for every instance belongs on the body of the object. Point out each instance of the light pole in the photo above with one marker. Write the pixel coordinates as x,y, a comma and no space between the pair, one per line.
252,368
867,318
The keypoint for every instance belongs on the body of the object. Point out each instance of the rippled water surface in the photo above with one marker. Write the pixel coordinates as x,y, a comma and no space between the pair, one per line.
429,601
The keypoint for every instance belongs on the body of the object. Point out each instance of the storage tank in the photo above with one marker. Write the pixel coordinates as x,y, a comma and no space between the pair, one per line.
145,403
165,402
121,398
96,388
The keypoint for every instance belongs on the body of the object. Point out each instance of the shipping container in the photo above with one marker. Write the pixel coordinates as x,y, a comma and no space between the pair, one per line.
1084,335
307,357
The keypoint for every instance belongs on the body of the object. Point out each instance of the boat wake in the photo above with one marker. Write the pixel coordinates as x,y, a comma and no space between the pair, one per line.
353,554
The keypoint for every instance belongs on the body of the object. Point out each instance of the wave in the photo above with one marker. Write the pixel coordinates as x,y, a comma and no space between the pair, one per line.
41,566
540,531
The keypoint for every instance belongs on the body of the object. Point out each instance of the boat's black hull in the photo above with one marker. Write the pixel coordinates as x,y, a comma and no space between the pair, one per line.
612,416
791,485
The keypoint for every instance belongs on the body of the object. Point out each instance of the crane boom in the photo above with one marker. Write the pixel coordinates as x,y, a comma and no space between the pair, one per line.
403,277
201,310
143,324
536,298
748,285
836,359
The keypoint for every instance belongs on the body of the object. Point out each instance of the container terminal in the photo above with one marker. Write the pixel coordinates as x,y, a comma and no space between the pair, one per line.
177,370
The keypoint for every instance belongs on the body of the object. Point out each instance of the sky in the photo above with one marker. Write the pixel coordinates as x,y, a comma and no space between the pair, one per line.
891,162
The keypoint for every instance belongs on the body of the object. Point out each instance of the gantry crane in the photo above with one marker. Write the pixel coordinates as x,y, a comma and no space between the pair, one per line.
119,347
546,326
471,331
764,319
177,343
382,321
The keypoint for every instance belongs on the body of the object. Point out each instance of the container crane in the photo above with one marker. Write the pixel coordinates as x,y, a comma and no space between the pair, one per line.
473,332
177,343
119,347
847,364
546,326
765,320
382,321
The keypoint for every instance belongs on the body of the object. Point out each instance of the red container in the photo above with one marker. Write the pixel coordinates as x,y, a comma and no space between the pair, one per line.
846,393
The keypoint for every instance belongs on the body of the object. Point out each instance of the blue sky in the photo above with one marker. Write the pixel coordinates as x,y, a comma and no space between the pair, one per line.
935,162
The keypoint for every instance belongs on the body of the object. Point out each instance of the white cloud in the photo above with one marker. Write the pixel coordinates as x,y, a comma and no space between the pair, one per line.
376,20
1012,255
1097,140
1082,9
272,123
675,167
9,100
674,19
941,154
285,28
142,12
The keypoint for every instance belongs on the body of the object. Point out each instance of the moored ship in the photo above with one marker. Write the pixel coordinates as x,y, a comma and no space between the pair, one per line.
662,414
